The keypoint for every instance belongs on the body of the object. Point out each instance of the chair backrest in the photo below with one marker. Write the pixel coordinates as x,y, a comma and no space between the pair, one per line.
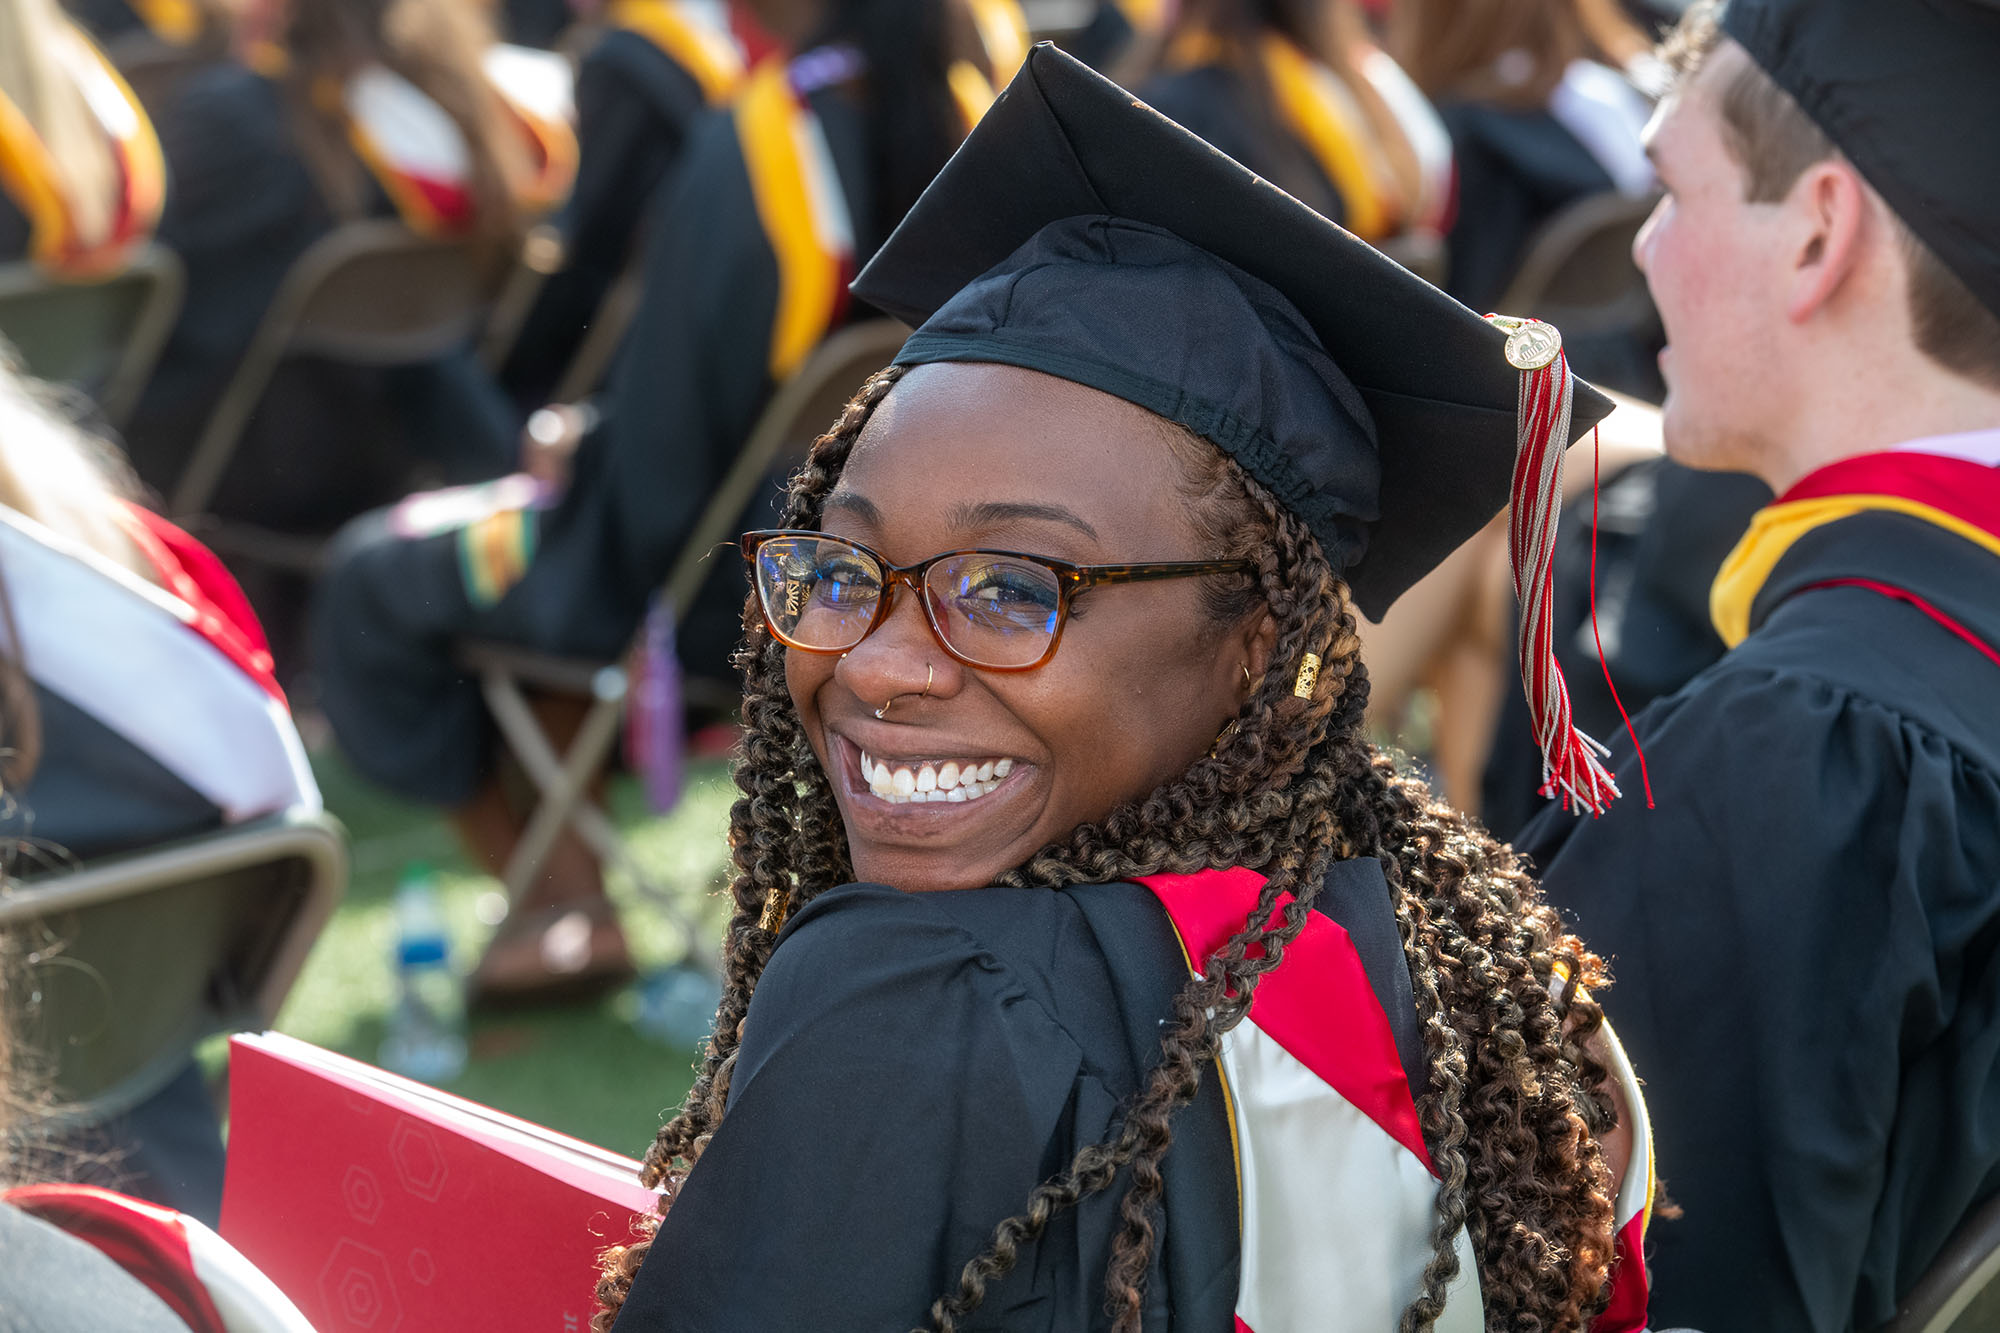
141,955
1958,1294
802,409
104,336
614,314
370,293
1577,272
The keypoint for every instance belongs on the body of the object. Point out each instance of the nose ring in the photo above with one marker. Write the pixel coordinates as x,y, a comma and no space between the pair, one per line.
930,674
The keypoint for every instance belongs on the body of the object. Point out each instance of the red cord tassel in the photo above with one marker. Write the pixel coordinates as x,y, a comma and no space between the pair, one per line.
1572,763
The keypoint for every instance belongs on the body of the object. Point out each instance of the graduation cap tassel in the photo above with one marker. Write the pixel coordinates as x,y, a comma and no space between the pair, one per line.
1572,763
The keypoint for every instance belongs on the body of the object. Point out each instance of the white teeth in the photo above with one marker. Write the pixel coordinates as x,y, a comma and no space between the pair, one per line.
952,780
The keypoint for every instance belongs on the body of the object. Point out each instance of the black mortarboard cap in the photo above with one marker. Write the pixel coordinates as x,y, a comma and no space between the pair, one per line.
1910,91
1080,233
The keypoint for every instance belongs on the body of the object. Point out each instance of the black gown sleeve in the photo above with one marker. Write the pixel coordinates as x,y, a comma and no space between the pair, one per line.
1802,935
900,1090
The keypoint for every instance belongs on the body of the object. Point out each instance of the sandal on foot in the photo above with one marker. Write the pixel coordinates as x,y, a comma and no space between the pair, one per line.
551,955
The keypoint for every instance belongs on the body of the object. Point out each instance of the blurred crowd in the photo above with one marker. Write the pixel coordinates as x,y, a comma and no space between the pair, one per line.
326,257
411,341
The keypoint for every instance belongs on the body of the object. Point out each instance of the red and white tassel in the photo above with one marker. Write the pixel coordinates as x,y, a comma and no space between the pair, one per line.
1572,763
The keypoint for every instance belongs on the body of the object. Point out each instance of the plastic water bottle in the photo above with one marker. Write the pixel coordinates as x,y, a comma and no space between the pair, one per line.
426,1036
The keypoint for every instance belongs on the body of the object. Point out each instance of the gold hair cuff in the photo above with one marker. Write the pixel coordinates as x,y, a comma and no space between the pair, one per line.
775,911
1308,676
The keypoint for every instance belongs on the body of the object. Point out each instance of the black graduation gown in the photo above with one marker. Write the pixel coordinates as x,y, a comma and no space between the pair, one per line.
913,1065
15,234
1221,105
1806,935
328,440
1516,170
1663,531
537,22
634,104
684,393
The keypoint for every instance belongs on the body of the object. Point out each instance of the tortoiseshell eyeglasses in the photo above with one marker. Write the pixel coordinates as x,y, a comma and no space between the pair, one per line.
998,610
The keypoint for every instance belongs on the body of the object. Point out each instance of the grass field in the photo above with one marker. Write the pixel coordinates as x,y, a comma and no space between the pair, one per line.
582,1069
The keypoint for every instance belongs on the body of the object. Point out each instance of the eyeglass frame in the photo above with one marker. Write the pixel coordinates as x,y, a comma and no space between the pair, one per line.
1071,579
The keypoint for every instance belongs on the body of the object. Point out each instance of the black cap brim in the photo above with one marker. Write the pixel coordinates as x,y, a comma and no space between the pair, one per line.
1063,142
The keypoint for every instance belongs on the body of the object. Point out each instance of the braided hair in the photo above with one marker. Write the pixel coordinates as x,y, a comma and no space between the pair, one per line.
1515,1101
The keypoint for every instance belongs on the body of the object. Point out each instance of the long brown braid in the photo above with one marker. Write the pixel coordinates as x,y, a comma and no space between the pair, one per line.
1514,1102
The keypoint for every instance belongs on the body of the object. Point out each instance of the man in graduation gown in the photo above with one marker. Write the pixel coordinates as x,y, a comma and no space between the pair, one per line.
1806,929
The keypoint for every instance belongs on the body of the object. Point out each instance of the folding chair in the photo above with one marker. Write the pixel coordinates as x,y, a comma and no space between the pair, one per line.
804,406
139,956
104,336
615,313
371,293
1958,1294
540,257
1578,272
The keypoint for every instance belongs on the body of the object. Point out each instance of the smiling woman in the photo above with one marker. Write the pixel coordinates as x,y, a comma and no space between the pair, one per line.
1089,968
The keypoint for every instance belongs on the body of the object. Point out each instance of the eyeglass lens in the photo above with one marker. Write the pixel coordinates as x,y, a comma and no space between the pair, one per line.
821,593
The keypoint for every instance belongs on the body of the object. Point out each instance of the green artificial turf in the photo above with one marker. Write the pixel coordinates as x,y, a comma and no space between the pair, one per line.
581,1069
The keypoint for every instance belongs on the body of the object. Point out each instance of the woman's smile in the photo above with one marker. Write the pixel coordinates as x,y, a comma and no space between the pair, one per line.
945,793
948,775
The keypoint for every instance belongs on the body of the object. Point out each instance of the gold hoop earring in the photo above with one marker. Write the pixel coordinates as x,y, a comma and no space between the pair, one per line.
1248,683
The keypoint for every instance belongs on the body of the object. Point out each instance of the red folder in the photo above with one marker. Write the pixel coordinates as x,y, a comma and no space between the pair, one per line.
379,1204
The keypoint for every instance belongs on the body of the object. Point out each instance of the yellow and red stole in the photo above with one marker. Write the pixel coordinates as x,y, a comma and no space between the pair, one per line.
419,156
1328,1143
28,172
801,205
1958,495
697,42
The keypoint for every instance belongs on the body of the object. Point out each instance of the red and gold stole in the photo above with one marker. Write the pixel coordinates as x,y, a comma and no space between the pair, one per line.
1958,495
1329,1150
29,175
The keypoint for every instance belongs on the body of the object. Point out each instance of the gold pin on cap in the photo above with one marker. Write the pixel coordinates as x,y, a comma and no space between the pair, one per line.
1531,344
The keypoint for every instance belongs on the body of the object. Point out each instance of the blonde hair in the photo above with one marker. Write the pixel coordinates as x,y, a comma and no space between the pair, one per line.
34,77
1454,48
53,472
437,45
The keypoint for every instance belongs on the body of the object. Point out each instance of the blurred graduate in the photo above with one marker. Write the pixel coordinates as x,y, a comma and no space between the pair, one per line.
1807,927
334,111
82,181
1298,91
774,205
